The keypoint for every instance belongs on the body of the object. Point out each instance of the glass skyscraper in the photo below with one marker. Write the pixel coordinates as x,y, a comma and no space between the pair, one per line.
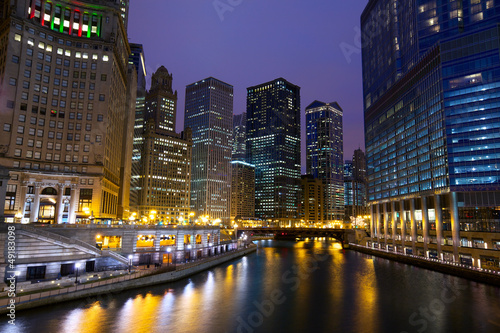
325,155
432,124
273,146
239,137
209,114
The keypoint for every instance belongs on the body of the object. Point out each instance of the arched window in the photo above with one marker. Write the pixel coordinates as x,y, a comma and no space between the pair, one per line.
49,191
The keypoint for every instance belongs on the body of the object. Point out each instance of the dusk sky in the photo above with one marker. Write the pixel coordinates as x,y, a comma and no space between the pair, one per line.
254,41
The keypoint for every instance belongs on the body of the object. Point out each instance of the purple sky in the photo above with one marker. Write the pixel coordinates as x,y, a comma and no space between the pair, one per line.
255,42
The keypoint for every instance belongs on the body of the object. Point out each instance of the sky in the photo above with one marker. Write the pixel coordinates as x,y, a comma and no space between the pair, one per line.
311,43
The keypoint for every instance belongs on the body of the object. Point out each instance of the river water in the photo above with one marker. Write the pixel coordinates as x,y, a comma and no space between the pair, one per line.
285,287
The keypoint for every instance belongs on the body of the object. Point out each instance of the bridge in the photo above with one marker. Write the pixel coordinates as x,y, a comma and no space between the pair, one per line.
341,235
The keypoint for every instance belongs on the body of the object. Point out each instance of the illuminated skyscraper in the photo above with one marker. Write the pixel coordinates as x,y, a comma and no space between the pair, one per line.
137,59
239,137
209,113
431,81
67,97
325,157
273,146
355,185
164,178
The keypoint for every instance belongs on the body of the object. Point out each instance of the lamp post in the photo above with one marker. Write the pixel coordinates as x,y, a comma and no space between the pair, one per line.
130,262
77,265
189,250
168,256
191,215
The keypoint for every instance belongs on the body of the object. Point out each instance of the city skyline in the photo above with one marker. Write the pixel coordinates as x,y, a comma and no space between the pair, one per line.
319,39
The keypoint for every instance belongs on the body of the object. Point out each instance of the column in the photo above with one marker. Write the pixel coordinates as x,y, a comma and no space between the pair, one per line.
72,204
439,223
394,224
36,203
156,243
402,219
413,226
385,224
377,227
455,225
22,198
60,204
425,225
372,223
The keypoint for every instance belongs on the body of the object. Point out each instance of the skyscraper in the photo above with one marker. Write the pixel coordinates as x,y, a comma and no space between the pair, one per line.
431,114
239,137
273,146
164,176
209,113
242,190
65,98
355,185
325,157
137,59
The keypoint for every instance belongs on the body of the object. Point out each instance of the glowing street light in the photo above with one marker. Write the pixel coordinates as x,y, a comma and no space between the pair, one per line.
77,265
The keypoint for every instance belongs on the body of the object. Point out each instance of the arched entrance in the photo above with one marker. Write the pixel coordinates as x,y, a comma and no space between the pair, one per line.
47,209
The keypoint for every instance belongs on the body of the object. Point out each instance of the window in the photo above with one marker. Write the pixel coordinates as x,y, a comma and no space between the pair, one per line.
18,152
35,273
91,96
10,105
100,117
19,141
85,199
6,127
98,138
15,59
20,129
103,77
12,81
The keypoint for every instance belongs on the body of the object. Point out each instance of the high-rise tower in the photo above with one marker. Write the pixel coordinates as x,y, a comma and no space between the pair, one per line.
432,120
209,113
273,146
66,97
325,157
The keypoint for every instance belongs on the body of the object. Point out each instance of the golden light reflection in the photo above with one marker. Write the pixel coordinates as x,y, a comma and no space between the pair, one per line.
140,314
90,320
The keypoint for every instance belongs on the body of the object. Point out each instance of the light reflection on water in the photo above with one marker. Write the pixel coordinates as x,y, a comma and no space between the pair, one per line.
283,287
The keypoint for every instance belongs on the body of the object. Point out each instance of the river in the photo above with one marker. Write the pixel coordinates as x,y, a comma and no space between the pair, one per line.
307,286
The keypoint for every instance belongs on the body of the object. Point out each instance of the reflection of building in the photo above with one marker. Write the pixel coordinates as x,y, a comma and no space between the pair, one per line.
242,190
65,101
312,200
355,185
273,146
432,119
209,113
325,155
165,176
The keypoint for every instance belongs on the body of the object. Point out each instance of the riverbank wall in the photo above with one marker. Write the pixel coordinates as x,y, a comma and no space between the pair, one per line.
434,264
109,289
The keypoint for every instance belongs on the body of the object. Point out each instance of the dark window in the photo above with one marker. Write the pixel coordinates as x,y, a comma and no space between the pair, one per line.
34,273
67,269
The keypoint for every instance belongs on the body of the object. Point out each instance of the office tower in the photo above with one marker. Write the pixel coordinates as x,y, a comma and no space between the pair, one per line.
209,114
273,146
163,157
355,185
431,125
65,98
137,59
242,190
239,137
325,157
312,201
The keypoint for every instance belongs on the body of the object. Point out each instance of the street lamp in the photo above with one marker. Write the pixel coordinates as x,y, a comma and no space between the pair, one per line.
130,262
19,216
77,265
168,256
191,215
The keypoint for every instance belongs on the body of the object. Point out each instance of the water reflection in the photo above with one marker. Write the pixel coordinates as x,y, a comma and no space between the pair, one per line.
310,286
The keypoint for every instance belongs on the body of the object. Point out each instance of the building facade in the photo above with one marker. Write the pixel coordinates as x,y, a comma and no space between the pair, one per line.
65,96
312,201
137,59
355,186
165,157
431,124
239,137
209,114
242,190
273,146
325,155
